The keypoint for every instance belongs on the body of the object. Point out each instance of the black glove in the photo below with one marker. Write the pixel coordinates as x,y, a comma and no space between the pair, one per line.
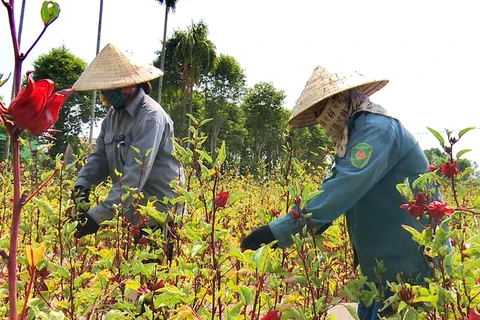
86,225
257,237
81,194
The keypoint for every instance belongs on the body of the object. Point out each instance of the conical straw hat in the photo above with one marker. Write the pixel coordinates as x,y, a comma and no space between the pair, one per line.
112,69
324,84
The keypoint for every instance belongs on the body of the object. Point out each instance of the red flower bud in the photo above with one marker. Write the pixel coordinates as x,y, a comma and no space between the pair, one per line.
35,108
142,221
221,199
134,231
437,210
431,167
160,284
449,169
275,213
295,214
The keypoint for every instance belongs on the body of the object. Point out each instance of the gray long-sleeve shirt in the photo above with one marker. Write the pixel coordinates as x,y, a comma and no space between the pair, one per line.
143,125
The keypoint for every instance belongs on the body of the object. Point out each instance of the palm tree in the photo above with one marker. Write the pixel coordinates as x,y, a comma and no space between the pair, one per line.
94,93
169,5
196,56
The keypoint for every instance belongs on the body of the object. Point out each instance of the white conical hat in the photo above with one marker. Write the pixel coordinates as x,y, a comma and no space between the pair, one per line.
324,84
112,69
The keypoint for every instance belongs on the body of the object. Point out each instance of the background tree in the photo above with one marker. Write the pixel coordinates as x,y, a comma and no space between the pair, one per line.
196,56
171,88
309,143
265,122
64,68
223,89
169,5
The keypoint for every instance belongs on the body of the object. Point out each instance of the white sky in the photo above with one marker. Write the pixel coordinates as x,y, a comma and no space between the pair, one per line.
429,50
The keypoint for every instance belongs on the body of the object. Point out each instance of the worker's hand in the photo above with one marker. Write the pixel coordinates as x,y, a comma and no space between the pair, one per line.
257,237
86,225
81,194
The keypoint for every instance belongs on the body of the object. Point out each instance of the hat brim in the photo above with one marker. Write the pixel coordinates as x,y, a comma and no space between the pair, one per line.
308,116
112,69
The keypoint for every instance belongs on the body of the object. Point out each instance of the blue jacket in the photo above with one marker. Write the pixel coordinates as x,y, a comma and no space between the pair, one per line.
366,192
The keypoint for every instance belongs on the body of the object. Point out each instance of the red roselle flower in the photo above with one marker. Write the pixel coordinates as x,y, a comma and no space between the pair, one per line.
35,108
449,169
415,208
221,199
472,315
437,210
272,315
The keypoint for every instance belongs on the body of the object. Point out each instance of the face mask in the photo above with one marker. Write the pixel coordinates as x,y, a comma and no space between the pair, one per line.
115,98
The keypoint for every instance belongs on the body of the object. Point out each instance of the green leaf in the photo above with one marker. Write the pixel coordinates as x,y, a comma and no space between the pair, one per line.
301,279
245,294
404,190
462,152
236,195
439,241
2,82
221,154
416,236
234,311
194,120
205,121
411,314
135,149
462,132
352,311
204,155
259,258
289,312
438,136
148,152
49,12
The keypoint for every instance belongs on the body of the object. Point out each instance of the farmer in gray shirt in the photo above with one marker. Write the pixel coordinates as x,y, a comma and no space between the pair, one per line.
135,141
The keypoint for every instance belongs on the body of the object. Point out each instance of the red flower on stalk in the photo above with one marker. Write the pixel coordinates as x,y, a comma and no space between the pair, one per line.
415,208
449,169
35,108
272,315
221,199
472,315
437,210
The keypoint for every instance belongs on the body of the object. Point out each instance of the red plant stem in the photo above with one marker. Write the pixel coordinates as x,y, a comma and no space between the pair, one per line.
16,47
17,208
40,187
29,288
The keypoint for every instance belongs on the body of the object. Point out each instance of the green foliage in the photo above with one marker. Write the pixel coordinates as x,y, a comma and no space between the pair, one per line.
49,12
265,120
3,81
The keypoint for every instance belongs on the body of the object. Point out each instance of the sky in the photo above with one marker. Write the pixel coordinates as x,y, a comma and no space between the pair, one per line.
429,49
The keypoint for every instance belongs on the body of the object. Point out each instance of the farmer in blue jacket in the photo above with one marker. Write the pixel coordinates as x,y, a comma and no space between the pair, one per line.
373,153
